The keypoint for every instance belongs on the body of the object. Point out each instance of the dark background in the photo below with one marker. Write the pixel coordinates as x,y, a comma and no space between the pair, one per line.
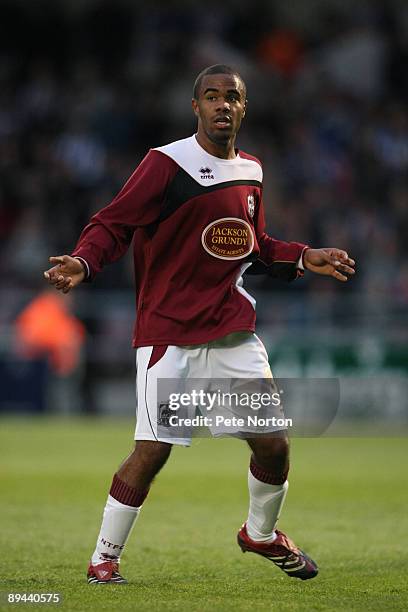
86,88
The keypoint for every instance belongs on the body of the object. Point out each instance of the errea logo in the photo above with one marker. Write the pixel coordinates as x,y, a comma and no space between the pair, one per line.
206,173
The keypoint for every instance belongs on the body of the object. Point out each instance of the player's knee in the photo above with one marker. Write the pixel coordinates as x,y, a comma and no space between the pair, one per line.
272,454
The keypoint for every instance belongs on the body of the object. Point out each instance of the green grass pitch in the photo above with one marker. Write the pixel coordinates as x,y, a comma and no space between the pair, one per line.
347,506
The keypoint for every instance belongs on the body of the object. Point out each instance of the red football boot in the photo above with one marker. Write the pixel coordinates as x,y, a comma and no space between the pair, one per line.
104,573
283,552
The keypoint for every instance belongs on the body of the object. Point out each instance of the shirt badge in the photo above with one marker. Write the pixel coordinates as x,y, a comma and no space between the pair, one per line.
251,205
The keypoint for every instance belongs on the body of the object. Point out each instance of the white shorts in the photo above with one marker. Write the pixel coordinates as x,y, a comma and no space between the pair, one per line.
238,356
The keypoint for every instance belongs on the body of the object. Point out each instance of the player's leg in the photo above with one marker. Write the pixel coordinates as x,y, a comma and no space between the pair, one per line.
145,461
128,491
267,484
131,483
242,357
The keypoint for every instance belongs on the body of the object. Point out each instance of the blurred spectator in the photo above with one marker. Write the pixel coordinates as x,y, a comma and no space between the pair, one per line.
355,61
282,51
390,141
81,153
46,328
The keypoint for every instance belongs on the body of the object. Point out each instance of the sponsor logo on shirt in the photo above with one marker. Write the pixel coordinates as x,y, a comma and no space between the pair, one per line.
228,238
206,173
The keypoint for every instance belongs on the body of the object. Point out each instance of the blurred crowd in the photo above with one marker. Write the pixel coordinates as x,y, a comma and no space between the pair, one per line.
85,93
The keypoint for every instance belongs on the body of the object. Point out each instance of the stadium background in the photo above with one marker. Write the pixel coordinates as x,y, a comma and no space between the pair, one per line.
86,88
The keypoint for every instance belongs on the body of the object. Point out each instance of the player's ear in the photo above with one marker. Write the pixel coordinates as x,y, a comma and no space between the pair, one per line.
245,108
194,104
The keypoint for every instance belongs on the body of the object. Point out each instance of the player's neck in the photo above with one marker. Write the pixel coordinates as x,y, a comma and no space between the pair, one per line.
223,150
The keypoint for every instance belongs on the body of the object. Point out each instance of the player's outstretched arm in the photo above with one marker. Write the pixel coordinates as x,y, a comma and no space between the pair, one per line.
330,262
66,273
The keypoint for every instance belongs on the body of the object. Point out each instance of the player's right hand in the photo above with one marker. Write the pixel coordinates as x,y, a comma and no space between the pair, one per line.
66,273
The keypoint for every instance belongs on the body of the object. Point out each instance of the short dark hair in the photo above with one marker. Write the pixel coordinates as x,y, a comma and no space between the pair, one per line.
215,69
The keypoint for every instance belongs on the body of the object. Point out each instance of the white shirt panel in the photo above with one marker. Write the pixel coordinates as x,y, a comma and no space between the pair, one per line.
207,169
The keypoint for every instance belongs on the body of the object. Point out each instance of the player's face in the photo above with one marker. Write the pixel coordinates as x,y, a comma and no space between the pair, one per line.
220,107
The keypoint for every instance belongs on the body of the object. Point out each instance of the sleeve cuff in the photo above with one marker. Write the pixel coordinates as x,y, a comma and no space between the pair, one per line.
300,263
86,266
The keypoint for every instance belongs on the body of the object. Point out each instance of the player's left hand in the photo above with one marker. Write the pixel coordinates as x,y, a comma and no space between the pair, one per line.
330,262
